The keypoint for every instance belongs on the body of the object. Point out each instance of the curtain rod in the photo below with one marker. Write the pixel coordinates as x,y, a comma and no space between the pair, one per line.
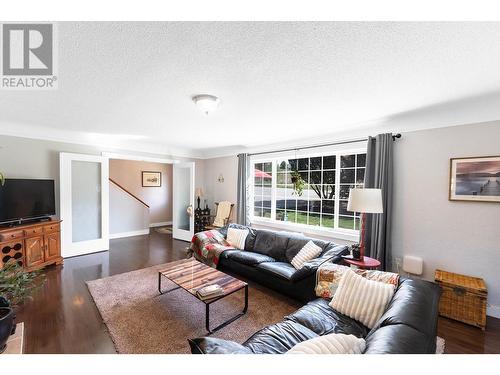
394,137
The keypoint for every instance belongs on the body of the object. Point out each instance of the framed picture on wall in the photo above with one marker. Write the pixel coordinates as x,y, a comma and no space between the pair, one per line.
475,179
151,179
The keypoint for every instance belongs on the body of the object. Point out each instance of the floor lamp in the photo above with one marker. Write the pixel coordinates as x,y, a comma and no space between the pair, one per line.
365,201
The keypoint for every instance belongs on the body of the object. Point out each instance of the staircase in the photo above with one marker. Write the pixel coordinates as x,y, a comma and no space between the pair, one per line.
128,214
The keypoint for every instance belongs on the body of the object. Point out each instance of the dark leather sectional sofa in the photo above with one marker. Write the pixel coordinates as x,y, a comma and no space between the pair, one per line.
267,258
409,325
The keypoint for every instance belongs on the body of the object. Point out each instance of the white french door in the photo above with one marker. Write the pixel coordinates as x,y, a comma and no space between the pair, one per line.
183,201
84,203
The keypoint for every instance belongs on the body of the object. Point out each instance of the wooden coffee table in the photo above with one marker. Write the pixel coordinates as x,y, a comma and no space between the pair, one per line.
191,275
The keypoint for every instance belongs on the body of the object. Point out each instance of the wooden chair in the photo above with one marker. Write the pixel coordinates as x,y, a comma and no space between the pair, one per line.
212,217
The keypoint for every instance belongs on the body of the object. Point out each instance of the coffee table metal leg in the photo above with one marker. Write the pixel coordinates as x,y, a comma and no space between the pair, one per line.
159,286
207,315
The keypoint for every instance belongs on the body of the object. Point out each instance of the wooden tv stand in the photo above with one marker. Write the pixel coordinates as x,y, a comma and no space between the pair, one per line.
33,246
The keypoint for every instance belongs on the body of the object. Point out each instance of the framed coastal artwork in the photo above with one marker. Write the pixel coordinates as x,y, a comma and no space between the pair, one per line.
475,179
151,179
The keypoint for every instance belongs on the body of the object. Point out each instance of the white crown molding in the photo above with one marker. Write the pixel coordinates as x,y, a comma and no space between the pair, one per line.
114,155
467,111
112,142
471,110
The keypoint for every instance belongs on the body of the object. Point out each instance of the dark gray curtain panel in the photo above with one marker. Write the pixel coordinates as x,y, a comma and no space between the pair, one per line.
242,214
379,175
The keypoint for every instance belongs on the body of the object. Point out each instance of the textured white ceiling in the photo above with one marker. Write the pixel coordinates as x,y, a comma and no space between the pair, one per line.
130,84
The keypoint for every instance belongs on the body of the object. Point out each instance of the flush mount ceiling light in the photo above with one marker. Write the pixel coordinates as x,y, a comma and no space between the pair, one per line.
206,103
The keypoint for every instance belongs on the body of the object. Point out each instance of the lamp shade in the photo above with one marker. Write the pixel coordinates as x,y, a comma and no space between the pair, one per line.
365,201
199,192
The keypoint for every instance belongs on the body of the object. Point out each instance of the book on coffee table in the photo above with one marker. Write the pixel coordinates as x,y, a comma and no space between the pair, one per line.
209,291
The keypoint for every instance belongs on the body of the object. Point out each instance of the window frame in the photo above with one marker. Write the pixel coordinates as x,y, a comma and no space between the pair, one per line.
341,233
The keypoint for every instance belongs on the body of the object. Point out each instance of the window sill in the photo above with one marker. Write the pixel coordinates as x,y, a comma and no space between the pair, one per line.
345,235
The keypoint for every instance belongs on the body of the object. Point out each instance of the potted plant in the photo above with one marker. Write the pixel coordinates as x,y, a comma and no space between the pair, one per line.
16,285
6,323
298,183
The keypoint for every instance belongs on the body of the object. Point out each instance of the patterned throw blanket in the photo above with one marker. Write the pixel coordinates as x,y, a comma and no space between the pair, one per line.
207,247
329,274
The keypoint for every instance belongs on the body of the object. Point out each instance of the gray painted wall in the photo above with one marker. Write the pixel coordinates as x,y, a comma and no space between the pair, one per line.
461,237
216,191
457,236
126,214
34,158
128,173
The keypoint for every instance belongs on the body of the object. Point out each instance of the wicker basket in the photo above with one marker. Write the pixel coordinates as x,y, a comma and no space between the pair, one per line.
463,299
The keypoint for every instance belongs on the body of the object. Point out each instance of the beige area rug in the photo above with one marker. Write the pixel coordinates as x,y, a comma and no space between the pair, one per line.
140,320
440,345
15,344
164,230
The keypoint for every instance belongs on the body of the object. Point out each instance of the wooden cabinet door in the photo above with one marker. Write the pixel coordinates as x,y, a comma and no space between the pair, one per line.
53,246
34,251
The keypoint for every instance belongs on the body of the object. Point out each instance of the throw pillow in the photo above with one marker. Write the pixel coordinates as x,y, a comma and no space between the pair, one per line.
361,299
237,237
308,252
250,241
329,274
335,343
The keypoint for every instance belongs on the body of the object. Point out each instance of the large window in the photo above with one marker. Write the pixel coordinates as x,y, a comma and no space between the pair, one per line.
323,203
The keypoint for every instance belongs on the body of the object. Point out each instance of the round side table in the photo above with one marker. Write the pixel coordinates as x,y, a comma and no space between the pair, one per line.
367,263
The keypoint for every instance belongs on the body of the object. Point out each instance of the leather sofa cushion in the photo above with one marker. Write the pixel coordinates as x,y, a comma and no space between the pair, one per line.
399,339
320,318
332,254
247,257
213,345
272,244
295,244
414,304
279,269
278,338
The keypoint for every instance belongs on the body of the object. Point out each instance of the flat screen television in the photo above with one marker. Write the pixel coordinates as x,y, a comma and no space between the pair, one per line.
26,199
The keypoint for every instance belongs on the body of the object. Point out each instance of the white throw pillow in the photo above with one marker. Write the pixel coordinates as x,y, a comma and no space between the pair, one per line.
237,237
308,252
361,299
335,343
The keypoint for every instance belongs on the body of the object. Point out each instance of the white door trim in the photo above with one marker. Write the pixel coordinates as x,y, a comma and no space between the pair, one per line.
113,155
68,248
185,235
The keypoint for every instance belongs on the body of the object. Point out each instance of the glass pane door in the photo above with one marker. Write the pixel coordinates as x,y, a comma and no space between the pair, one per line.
183,201
84,204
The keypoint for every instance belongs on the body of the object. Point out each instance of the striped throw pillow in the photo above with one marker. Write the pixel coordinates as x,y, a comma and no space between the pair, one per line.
237,237
334,343
308,252
361,299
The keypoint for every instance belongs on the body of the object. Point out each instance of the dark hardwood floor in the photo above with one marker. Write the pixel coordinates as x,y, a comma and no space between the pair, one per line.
464,339
62,317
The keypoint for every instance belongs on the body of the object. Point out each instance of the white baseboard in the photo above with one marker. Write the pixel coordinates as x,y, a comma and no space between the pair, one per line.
160,224
493,311
140,232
